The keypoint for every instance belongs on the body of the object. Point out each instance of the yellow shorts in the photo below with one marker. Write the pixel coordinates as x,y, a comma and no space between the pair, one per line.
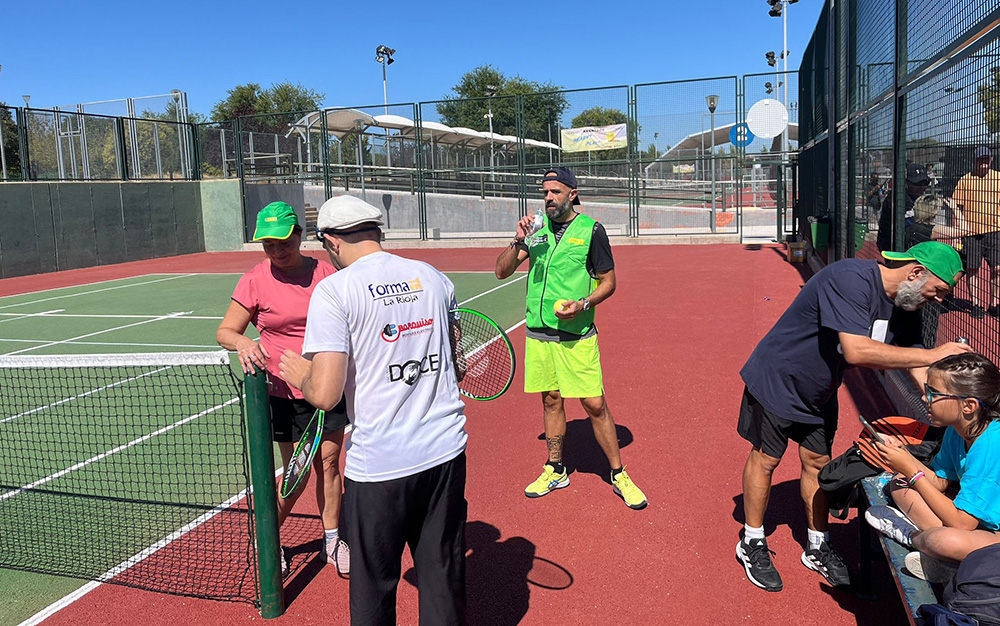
573,368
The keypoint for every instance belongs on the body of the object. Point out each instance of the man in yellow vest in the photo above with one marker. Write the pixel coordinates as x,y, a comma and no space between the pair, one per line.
570,273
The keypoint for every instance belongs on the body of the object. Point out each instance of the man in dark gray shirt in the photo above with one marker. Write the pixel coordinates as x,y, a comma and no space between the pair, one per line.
845,316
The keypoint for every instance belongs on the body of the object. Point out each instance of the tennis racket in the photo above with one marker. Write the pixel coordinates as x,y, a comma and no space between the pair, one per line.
484,357
305,451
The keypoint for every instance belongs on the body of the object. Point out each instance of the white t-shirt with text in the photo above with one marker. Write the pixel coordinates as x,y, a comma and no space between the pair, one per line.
391,316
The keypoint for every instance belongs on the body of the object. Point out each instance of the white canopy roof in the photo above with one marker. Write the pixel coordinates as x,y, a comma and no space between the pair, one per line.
341,122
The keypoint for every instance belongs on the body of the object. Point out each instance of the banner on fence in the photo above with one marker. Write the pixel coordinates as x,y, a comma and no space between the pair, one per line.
590,138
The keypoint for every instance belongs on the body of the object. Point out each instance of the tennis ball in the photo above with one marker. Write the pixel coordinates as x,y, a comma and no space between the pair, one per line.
559,305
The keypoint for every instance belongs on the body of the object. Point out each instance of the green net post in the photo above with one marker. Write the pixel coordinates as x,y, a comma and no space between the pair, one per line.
265,510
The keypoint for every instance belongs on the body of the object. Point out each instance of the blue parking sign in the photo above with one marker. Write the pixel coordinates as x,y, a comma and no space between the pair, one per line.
740,135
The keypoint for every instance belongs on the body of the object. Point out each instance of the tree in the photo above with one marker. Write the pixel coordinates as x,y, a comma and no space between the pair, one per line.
988,95
469,106
273,109
12,152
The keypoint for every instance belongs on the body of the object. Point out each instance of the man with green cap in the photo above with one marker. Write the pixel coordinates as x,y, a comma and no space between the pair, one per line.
848,314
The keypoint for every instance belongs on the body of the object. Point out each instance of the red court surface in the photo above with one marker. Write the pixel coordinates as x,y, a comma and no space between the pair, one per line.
673,339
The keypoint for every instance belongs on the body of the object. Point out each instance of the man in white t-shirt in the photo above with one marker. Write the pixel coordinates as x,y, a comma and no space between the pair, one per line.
379,330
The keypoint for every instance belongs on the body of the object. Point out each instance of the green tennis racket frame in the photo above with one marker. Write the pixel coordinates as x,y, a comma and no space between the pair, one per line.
286,489
510,351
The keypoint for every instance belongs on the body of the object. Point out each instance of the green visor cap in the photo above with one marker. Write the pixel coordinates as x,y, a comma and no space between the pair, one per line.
939,258
275,221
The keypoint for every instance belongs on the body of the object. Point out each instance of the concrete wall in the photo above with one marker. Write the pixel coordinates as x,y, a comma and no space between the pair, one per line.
222,215
46,227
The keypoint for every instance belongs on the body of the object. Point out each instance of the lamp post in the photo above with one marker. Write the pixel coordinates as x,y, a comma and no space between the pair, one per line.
3,155
489,92
383,55
713,102
779,8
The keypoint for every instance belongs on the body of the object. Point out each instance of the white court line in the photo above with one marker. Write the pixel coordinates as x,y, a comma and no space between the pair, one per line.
83,395
124,446
72,597
56,313
510,282
99,332
87,293
213,346
21,316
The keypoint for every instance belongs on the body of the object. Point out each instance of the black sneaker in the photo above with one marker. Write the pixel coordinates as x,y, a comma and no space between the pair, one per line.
756,560
977,312
994,310
829,564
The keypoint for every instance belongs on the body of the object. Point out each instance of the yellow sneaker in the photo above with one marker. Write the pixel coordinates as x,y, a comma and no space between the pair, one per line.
631,494
548,481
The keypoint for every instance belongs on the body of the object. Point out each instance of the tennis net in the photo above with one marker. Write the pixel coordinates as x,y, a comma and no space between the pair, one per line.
128,469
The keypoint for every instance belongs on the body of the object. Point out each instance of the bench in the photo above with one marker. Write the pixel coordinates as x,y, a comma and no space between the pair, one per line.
913,591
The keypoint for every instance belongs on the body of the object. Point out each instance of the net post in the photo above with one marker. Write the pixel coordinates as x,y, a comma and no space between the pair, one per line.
265,509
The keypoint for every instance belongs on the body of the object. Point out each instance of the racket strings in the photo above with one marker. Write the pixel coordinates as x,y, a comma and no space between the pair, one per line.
485,356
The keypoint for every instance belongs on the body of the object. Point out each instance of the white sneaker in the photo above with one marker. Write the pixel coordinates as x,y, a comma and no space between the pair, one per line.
892,523
339,554
928,568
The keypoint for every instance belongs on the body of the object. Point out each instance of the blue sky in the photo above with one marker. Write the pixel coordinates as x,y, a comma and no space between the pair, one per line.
66,52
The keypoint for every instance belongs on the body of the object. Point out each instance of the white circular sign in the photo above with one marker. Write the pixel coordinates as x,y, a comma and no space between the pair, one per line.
767,118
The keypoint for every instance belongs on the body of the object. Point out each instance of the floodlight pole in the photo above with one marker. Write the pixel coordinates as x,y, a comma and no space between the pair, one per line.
784,55
3,154
713,102
383,55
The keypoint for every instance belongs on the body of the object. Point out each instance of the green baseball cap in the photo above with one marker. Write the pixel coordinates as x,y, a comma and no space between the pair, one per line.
941,259
275,221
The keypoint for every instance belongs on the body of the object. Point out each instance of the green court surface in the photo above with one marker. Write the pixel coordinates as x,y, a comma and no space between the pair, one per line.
152,313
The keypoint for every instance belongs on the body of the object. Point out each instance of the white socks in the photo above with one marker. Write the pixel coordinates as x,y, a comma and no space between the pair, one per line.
749,532
331,535
817,538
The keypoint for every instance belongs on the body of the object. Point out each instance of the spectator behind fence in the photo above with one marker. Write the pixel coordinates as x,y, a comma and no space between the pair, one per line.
977,196
917,181
846,315
962,392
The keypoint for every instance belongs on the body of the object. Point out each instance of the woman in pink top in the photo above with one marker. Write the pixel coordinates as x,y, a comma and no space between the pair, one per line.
274,297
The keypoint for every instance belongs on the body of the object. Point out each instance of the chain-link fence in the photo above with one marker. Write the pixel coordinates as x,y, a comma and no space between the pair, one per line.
898,98
652,159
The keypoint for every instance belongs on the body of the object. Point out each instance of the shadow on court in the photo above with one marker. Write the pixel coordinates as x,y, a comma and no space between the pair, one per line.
582,453
301,542
498,574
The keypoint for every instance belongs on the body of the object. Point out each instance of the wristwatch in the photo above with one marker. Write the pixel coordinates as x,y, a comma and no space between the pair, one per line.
586,304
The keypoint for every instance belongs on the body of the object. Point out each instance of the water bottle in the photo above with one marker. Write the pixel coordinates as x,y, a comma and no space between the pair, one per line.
539,221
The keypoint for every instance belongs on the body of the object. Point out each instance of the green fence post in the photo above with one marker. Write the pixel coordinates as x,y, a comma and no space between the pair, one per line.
265,501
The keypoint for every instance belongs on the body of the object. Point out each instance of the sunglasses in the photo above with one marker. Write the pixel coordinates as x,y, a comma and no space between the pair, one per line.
931,395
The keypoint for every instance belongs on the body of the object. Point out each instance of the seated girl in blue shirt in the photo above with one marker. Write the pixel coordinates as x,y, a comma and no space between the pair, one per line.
963,392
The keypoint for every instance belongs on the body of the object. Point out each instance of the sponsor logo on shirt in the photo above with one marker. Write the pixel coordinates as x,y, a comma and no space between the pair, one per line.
392,332
411,371
578,242
396,293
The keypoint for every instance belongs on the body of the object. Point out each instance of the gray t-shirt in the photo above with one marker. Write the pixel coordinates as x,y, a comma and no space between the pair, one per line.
797,368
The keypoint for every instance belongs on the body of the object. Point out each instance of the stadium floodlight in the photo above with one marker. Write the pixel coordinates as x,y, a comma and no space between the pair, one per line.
768,87
383,55
26,99
771,59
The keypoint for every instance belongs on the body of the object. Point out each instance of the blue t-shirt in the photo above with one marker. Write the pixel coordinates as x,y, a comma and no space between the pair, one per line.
977,472
796,369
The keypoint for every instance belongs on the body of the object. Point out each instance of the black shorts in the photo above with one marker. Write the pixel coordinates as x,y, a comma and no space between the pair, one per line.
975,248
770,433
290,417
